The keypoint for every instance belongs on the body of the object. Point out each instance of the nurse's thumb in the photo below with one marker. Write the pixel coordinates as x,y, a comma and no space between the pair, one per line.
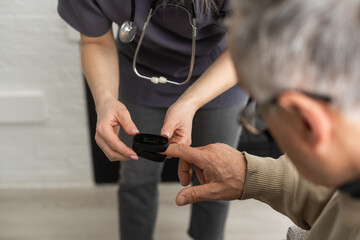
167,131
192,195
128,125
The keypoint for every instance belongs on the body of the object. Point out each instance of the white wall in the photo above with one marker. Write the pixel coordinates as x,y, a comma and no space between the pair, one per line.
44,138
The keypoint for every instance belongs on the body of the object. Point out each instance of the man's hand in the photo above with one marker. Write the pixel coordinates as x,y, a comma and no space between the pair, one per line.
220,168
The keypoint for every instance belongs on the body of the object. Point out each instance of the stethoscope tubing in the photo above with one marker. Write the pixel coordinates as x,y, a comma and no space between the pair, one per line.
153,9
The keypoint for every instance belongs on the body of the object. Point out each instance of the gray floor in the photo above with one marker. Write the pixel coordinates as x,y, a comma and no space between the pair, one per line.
90,213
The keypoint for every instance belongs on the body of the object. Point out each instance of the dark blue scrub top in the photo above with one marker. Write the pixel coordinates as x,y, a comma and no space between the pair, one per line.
166,48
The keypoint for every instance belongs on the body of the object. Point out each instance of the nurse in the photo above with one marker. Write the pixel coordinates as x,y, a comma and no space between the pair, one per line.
128,102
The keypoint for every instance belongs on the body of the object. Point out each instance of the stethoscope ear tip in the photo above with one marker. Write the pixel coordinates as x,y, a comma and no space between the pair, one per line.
157,80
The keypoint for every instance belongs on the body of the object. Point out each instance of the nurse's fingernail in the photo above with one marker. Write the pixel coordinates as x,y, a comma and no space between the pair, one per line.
134,130
165,133
134,157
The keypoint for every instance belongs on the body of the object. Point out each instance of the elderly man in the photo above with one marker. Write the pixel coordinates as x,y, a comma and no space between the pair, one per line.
300,60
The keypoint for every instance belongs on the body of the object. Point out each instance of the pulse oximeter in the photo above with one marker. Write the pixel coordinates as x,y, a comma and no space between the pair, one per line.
149,145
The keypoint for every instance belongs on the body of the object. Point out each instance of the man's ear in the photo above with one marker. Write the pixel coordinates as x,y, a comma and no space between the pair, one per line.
314,116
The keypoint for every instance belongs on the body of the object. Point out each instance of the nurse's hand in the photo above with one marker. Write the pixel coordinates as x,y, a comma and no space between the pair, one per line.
178,123
111,115
220,169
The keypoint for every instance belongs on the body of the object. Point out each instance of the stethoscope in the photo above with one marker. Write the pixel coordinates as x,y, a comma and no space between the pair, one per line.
128,31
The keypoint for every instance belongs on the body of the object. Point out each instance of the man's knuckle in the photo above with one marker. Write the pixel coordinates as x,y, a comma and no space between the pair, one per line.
221,145
212,146
194,196
182,147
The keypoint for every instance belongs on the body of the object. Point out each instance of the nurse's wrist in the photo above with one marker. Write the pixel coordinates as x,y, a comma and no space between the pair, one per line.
103,100
192,104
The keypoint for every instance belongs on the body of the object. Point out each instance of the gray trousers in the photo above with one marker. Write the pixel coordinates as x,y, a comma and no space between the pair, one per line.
138,192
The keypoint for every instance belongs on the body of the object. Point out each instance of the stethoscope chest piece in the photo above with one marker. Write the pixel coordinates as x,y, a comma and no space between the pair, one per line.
127,32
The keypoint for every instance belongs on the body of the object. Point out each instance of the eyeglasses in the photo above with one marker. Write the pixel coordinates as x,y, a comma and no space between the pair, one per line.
250,117
192,21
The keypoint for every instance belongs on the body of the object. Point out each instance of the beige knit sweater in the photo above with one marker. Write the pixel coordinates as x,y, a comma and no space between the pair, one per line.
328,213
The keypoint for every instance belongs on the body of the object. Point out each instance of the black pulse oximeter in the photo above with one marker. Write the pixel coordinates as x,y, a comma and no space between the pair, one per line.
148,145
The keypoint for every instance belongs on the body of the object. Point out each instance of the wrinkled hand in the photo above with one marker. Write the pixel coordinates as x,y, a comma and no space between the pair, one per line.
178,124
111,115
220,169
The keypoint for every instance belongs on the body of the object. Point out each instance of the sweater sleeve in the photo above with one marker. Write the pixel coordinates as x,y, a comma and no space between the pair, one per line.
277,183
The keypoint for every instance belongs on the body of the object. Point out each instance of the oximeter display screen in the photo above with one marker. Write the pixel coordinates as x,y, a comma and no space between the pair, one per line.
151,139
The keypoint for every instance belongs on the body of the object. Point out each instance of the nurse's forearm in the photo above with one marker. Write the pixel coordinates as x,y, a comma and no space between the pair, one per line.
100,65
218,78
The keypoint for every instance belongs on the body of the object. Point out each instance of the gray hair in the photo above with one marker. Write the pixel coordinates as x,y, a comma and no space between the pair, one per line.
205,5
309,45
